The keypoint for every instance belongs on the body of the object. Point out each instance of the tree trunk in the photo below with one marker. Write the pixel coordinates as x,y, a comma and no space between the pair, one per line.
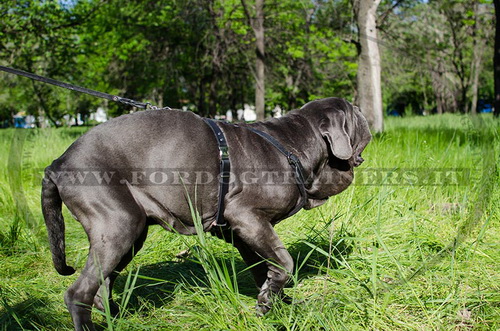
260,87
43,105
476,67
437,87
477,56
369,97
496,58
257,24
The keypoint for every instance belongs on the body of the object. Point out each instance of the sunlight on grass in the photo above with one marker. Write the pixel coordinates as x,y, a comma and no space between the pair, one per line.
390,254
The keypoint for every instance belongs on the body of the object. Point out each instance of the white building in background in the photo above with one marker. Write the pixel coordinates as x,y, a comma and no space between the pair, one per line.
229,115
247,113
99,115
277,112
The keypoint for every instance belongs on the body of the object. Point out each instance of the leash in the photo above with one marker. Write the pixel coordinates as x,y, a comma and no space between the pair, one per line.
125,101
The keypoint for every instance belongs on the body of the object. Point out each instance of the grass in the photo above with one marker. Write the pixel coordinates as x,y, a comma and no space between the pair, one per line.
379,256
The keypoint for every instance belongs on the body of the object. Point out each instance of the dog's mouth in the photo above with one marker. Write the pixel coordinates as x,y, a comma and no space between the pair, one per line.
313,203
339,164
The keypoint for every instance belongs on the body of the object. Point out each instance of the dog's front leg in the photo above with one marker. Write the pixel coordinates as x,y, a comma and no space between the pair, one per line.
279,269
254,261
260,237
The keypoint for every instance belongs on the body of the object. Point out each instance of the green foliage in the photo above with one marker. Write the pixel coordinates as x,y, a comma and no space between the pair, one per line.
40,37
178,53
429,50
200,54
308,54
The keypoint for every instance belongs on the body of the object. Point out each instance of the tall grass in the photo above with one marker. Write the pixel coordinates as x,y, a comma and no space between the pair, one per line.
381,257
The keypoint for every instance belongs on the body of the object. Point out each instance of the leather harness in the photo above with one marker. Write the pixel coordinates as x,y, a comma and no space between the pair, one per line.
225,167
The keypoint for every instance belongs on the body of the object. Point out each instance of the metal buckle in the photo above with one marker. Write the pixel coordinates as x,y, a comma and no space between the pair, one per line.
292,158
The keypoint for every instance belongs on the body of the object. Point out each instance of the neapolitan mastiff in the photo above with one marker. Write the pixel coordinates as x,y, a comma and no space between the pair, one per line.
116,181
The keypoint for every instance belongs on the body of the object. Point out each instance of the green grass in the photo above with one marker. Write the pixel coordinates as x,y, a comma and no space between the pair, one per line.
379,257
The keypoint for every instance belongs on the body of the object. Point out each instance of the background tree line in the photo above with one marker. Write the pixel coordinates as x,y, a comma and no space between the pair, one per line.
211,55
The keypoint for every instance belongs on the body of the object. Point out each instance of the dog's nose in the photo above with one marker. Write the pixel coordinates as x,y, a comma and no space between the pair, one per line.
358,160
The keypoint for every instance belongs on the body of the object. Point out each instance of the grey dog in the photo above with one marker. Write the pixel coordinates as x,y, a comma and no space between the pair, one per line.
328,136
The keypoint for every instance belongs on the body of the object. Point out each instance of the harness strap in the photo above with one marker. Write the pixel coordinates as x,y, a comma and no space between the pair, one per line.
225,167
294,162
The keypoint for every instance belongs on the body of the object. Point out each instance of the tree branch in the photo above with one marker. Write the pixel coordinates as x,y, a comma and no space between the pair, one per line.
387,12
247,12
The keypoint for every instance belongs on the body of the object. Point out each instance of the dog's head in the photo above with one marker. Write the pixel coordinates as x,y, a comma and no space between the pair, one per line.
343,133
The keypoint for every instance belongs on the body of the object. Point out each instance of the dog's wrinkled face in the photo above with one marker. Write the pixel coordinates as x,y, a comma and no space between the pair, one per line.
345,134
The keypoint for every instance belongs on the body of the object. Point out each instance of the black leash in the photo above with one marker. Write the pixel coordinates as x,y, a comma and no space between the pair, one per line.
133,103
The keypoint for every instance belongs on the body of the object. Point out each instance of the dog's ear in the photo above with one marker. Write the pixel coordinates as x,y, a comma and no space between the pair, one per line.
333,130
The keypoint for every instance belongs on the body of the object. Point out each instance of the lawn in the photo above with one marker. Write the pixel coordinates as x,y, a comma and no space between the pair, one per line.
414,244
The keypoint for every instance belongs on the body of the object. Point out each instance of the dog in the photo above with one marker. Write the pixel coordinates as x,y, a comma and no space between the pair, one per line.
116,181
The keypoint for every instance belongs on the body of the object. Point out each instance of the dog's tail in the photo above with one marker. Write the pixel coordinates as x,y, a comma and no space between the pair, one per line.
52,213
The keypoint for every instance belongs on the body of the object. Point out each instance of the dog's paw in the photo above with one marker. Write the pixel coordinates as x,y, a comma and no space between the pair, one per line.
113,307
286,298
262,308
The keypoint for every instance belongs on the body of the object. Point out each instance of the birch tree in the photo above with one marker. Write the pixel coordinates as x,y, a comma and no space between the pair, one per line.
257,24
369,97
496,59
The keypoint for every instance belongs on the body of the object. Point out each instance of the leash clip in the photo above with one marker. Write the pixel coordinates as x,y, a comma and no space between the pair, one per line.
149,106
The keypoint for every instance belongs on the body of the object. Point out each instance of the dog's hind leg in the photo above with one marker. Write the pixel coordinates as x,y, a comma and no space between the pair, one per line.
110,241
107,287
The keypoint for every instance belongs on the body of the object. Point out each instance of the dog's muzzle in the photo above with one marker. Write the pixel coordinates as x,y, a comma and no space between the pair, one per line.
358,160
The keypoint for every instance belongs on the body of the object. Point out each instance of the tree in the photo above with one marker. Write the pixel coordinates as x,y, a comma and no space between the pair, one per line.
257,24
171,53
435,54
496,58
198,53
480,35
369,97
39,37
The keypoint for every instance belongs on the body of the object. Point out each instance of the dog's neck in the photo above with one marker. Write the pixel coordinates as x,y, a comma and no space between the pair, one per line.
314,156
311,154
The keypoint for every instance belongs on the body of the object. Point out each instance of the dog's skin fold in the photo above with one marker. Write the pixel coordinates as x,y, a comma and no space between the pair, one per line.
328,136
